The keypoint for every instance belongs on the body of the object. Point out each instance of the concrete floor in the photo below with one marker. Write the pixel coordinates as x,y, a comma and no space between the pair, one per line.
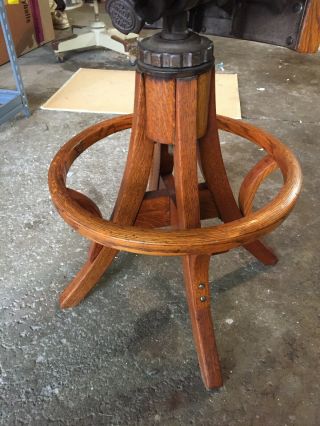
125,356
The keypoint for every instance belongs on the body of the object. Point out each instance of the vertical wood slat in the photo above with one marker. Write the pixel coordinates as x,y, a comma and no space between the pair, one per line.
185,154
160,109
203,98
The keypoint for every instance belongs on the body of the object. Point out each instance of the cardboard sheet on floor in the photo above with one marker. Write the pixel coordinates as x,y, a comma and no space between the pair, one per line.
112,92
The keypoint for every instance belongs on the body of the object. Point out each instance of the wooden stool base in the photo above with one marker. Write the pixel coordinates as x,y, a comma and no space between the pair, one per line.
184,118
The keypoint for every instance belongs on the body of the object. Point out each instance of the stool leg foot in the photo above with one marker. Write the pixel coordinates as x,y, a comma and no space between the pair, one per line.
261,252
87,278
214,172
198,294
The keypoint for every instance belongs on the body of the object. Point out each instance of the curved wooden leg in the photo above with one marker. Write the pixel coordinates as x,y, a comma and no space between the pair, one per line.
132,190
215,175
195,270
188,216
93,269
89,205
87,278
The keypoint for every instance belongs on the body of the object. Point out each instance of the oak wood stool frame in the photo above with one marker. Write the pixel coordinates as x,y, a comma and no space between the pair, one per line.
179,112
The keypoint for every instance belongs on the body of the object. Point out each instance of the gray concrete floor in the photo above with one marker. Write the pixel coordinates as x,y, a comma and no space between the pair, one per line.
125,356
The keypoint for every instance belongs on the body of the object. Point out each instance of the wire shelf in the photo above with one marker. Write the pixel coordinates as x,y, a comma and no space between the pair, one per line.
12,102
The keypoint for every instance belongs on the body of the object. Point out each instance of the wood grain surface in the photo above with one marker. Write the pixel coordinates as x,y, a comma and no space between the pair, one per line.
182,113
131,194
195,268
161,109
214,172
252,181
309,41
174,243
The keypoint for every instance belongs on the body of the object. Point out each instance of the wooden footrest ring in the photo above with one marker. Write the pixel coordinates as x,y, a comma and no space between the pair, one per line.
178,242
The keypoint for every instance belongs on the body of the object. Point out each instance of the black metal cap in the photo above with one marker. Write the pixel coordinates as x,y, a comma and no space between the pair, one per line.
124,16
185,57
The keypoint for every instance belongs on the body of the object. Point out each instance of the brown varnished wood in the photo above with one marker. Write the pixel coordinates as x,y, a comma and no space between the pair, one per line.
185,155
155,210
85,202
309,41
161,109
203,97
92,208
166,163
99,258
175,199
135,179
155,170
90,272
87,278
193,241
196,273
131,194
208,209
94,250
212,166
168,183
195,268
252,181
215,175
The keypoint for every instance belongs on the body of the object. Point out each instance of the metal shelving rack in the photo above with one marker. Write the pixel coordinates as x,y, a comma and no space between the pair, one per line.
11,101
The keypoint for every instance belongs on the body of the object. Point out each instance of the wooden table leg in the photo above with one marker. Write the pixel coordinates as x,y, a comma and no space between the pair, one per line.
215,175
188,213
132,190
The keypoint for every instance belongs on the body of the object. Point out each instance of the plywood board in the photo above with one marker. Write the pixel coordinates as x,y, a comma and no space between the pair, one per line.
112,92
227,93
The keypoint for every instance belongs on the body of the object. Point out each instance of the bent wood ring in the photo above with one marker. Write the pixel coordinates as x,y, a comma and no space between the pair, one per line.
166,242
